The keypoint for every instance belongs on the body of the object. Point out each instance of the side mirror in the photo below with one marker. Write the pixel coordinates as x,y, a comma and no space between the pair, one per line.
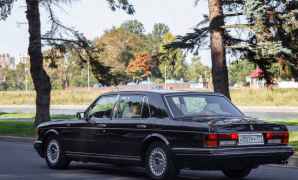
80,115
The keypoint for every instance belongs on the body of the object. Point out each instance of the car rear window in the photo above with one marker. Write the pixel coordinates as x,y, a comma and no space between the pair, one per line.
201,105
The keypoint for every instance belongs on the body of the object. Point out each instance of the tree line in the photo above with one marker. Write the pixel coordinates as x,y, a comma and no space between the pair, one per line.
131,54
266,34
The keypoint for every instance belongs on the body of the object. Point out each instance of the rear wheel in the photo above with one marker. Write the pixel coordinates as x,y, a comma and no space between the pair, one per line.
55,157
159,163
237,173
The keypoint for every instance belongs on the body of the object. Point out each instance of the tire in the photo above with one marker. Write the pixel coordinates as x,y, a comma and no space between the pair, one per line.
54,154
159,163
237,173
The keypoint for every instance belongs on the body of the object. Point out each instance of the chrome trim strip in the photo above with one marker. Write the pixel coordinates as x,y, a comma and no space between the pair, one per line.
256,153
231,149
102,156
38,142
134,129
168,105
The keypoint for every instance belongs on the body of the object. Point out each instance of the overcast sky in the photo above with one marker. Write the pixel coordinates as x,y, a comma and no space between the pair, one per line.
93,17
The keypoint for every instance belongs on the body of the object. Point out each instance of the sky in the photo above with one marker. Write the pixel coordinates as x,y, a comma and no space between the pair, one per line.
93,17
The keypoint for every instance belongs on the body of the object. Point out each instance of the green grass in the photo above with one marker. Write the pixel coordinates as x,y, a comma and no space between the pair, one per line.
294,140
16,115
19,129
241,97
31,116
22,129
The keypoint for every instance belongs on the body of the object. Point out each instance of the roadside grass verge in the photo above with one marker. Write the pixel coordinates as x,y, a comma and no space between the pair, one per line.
15,128
24,129
241,97
12,127
31,116
294,140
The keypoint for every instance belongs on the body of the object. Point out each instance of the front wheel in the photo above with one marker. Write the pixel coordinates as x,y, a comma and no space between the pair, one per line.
237,173
54,154
159,163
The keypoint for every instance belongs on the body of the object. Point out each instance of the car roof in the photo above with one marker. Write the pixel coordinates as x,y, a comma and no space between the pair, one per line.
164,92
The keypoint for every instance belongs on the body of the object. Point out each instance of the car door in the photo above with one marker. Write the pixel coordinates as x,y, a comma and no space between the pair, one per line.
99,116
129,126
73,136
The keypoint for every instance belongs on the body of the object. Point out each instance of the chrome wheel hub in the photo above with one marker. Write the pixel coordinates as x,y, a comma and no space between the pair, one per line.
53,151
158,161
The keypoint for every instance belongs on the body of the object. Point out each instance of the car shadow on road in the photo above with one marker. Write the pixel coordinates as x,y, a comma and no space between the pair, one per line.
128,172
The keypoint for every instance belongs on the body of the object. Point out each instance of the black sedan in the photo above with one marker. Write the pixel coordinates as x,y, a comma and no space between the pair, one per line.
165,131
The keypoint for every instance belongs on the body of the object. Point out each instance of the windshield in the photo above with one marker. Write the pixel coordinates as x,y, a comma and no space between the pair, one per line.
201,105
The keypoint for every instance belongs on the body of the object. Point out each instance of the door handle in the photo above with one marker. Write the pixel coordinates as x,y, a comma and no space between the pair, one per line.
101,125
101,132
141,126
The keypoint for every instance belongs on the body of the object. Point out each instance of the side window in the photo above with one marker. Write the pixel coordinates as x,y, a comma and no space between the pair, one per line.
146,108
156,111
194,104
103,108
131,107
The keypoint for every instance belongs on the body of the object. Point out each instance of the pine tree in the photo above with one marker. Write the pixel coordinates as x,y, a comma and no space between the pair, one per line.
261,31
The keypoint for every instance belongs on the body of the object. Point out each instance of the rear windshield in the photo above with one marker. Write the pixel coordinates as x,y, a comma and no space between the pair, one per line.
201,105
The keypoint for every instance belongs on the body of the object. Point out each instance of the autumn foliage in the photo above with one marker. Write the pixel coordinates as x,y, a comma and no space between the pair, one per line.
140,67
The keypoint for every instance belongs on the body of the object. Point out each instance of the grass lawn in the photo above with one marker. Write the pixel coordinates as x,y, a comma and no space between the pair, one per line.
294,140
22,129
31,116
14,128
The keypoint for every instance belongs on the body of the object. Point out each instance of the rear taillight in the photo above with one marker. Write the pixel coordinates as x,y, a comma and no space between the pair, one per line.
214,140
273,137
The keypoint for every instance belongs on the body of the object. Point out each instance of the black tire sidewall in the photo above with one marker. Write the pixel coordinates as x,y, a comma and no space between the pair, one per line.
62,160
170,171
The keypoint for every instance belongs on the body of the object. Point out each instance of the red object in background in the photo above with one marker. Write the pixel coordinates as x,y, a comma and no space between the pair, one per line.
258,73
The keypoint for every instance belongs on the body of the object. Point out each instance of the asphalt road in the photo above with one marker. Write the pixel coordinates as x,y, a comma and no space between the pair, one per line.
18,161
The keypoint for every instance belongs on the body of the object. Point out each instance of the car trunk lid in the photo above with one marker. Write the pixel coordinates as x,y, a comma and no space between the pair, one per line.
242,124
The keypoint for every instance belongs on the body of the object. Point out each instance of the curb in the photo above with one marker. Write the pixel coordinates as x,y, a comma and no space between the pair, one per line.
17,139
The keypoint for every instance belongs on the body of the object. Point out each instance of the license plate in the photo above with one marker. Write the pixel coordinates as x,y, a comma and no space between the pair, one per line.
251,139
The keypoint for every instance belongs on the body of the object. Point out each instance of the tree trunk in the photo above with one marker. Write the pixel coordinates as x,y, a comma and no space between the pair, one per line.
39,76
218,53
294,73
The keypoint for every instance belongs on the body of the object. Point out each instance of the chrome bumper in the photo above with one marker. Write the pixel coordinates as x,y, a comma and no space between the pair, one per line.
38,146
235,151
